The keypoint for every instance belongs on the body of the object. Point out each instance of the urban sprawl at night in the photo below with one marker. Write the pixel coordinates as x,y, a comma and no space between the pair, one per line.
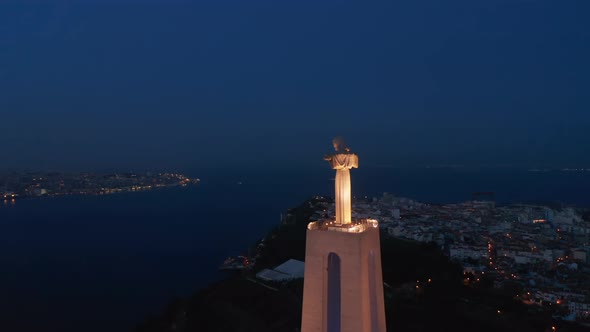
538,252
37,184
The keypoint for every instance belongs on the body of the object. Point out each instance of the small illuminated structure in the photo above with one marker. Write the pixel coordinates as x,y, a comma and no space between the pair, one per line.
343,287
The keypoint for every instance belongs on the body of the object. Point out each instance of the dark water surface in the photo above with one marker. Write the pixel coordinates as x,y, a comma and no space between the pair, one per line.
103,263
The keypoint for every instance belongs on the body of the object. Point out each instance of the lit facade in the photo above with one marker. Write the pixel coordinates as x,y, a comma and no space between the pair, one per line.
343,287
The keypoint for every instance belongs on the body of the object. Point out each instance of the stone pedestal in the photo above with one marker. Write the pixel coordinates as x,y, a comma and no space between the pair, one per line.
343,286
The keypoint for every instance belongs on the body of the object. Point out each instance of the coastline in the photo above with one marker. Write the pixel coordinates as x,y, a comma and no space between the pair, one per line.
16,186
227,297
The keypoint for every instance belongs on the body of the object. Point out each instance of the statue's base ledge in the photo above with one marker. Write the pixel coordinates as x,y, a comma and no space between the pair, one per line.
356,226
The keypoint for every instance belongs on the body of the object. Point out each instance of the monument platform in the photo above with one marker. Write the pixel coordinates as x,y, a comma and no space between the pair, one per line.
343,289
356,226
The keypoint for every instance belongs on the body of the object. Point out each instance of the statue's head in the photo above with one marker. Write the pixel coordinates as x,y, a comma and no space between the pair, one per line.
340,145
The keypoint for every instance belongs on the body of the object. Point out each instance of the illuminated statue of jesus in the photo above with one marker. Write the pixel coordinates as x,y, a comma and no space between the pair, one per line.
342,161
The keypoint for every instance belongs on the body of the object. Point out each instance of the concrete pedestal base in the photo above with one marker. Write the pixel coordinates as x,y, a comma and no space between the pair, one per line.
343,286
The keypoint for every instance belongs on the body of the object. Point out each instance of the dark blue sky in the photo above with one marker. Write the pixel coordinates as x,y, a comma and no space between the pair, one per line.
184,85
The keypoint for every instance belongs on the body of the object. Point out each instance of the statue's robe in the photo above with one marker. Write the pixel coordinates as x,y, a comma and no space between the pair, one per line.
342,163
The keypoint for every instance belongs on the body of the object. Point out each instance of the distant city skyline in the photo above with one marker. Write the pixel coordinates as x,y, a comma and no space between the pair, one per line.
258,84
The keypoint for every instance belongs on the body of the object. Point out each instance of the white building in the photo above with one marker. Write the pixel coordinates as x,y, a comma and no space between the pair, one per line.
291,269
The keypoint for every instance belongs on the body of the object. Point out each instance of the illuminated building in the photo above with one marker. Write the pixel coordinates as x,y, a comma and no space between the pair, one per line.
343,285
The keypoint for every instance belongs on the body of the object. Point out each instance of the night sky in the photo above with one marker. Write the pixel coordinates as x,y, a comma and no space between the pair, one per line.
180,85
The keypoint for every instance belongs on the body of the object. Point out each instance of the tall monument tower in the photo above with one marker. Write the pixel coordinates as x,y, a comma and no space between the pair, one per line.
343,285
